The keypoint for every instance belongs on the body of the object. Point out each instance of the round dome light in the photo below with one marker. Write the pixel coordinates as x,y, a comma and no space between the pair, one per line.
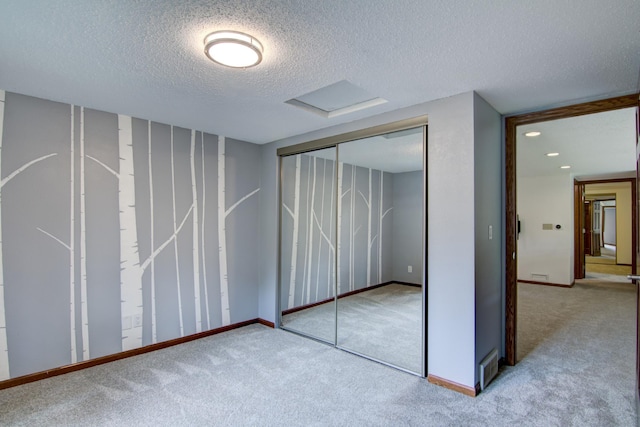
233,49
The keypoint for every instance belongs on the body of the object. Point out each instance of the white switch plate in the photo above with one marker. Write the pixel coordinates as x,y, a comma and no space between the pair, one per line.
410,269
491,232
137,320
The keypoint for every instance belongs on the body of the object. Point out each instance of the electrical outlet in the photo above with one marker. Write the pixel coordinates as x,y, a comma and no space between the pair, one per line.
410,269
137,320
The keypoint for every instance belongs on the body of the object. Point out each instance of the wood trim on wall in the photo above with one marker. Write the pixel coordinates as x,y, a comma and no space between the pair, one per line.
267,323
13,382
511,124
451,385
578,225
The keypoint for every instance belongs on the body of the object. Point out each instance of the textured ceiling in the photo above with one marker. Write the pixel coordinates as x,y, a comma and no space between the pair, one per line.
593,145
145,58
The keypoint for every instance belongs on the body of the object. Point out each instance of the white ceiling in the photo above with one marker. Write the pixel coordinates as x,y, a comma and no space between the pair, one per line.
593,145
145,58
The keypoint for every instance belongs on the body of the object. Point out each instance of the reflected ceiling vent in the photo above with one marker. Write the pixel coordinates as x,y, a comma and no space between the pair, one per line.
336,99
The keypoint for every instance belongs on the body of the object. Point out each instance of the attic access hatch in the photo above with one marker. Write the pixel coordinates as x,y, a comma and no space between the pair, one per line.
336,99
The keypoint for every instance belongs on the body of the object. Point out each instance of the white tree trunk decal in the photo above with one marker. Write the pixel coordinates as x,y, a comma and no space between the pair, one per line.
310,227
223,213
196,245
130,268
72,240
175,241
154,331
329,239
202,240
84,312
352,233
320,224
295,215
222,237
367,202
306,246
339,225
380,227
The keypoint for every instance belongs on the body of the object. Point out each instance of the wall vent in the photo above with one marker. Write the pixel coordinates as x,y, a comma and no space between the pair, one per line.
540,277
488,368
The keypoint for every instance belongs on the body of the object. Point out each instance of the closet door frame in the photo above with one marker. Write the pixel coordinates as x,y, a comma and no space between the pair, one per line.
333,142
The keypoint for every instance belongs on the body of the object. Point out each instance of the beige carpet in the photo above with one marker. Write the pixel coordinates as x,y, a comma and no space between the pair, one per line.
577,348
383,323
599,260
603,301
578,371
620,270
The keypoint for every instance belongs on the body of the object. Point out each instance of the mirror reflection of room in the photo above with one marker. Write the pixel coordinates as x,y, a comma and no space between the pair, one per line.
308,250
380,182
351,257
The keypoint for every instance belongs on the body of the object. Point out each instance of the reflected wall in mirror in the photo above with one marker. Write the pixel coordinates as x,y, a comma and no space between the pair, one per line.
380,255
307,247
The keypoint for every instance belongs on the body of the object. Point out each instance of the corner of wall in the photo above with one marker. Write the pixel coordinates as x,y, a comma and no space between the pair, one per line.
488,212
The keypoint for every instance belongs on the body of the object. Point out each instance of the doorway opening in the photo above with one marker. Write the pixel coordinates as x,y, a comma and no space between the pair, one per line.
513,225
605,241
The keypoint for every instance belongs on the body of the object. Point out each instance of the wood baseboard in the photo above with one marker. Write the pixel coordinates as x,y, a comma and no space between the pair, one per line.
559,285
451,385
13,382
267,323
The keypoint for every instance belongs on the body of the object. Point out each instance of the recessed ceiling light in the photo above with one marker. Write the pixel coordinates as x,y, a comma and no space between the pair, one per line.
233,49
532,134
565,167
552,154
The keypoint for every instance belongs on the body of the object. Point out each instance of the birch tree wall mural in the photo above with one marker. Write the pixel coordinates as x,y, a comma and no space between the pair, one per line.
364,210
106,237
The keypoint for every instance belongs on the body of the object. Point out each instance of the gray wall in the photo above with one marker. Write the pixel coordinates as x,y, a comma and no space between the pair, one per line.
407,247
450,234
37,302
488,213
63,227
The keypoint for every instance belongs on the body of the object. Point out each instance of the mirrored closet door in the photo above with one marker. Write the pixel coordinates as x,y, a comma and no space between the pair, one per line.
307,243
380,259
352,240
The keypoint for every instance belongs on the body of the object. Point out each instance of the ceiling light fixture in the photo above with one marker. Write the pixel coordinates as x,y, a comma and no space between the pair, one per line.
233,49
552,154
565,167
532,134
